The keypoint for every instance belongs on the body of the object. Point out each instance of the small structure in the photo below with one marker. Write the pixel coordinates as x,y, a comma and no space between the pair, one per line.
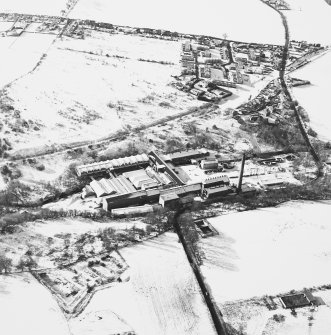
204,228
215,181
209,164
169,200
216,192
295,300
87,192
131,211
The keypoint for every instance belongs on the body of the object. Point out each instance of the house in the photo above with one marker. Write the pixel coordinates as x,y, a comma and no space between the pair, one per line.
224,53
242,57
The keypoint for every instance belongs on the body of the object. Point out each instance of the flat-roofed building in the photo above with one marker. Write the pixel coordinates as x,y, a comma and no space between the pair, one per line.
215,181
216,191
169,200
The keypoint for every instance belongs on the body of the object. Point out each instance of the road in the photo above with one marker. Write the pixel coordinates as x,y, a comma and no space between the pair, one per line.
288,94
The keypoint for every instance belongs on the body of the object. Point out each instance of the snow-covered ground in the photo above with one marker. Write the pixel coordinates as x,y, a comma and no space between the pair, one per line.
309,21
161,296
269,251
315,97
241,20
28,308
46,7
19,55
75,95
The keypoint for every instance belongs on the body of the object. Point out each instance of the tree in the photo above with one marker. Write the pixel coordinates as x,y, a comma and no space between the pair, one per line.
26,262
17,193
191,236
5,263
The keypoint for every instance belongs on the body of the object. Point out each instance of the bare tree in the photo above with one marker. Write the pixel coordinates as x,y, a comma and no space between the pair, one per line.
5,263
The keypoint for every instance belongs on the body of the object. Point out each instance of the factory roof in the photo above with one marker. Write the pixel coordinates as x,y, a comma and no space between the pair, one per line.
111,164
219,179
169,196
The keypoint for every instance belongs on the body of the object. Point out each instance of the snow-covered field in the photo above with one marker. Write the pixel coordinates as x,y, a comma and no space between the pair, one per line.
315,97
161,297
19,55
46,7
269,251
252,317
80,93
316,13
236,18
28,308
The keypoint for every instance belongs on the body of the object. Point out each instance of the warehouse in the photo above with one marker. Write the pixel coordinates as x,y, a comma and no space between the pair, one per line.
185,157
215,181
102,188
114,164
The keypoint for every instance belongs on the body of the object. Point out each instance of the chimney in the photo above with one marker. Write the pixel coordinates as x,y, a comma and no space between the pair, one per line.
241,174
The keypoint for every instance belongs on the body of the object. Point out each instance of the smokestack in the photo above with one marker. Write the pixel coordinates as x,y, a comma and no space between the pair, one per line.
195,53
241,174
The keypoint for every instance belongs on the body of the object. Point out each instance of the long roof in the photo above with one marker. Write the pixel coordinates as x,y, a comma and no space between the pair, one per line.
111,164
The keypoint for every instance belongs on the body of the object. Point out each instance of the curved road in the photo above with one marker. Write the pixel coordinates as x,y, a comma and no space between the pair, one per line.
287,92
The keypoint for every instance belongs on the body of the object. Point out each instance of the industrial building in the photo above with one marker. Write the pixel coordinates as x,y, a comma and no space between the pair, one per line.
110,165
152,179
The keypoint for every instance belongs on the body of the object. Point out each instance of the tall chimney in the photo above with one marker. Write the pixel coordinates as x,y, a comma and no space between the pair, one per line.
241,174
